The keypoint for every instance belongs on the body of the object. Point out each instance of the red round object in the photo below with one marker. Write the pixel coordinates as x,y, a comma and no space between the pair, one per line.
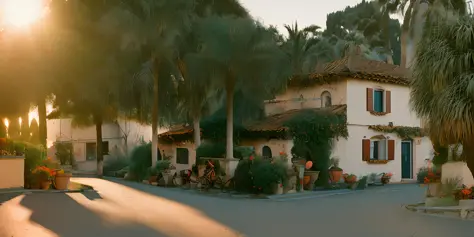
309,164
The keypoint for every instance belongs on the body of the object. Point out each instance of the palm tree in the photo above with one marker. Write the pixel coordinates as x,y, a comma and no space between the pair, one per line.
240,54
300,47
442,89
415,13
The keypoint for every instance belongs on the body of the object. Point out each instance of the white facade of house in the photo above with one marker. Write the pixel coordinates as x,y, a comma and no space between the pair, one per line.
353,93
120,137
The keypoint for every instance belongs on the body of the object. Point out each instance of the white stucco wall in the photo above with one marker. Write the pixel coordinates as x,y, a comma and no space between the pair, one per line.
350,154
62,130
357,113
311,95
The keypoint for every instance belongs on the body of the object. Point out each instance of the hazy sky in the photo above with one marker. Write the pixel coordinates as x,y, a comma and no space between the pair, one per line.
306,12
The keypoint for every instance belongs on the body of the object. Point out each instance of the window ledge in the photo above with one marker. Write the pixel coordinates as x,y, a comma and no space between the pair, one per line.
377,161
378,113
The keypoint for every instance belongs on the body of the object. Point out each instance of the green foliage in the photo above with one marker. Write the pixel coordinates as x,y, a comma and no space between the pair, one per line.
259,175
313,133
64,153
140,160
402,132
422,173
114,164
162,165
442,86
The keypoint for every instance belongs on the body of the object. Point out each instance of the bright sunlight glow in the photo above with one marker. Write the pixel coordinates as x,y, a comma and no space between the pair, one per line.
22,13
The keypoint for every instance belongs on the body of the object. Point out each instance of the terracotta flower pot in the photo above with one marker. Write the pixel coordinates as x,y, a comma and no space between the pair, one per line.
45,185
61,181
350,180
313,176
153,179
335,175
306,179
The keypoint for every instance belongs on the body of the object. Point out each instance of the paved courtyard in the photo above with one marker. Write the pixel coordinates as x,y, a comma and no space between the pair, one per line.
122,209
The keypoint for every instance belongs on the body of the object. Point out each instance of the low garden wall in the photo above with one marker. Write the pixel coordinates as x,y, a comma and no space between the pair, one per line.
457,171
12,170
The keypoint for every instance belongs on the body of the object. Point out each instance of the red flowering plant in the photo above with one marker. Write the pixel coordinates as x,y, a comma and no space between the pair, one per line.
44,173
464,193
432,176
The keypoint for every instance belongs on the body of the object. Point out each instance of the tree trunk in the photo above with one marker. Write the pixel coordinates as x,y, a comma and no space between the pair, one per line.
403,43
42,121
99,151
230,120
154,116
197,132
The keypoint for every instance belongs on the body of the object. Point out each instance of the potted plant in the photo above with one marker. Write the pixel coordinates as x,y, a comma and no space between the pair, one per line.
335,172
465,197
309,176
62,179
164,167
386,178
152,175
349,178
44,176
433,181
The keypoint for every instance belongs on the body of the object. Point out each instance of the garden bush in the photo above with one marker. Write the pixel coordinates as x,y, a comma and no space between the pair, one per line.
140,161
114,164
259,175
423,172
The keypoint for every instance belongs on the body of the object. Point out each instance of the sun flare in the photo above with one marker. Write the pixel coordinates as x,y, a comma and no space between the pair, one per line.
22,13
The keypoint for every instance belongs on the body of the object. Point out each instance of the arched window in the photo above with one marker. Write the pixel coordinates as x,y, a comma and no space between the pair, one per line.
266,152
326,100
378,148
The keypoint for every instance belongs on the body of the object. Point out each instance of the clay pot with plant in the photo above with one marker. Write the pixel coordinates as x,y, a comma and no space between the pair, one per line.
310,176
62,179
349,178
335,172
152,175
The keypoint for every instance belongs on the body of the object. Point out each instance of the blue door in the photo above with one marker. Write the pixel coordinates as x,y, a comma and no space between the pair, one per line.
406,160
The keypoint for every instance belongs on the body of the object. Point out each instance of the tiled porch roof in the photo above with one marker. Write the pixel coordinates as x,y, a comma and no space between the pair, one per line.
276,122
177,130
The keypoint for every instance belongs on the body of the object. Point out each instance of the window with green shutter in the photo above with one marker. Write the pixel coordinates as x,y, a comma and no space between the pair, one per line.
378,101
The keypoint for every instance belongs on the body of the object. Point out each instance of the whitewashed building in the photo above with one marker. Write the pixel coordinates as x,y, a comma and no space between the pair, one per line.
375,97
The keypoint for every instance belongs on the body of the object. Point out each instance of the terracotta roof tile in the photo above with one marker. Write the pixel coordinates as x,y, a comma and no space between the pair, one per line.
177,130
358,67
276,122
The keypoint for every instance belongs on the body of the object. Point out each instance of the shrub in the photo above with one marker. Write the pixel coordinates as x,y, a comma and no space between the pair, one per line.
140,161
422,173
114,164
64,153
217,150
259,175
33,158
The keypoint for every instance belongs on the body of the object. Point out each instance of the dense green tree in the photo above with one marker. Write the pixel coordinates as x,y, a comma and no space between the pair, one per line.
299,46
90,91
443,90
241,54
381,33
415,13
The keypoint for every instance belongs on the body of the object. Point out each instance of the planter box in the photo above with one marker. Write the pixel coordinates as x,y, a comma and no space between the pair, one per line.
466,204
434,190
440,202
12,170
457,170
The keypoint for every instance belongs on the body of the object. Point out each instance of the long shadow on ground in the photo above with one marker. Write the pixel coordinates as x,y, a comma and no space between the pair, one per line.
62,215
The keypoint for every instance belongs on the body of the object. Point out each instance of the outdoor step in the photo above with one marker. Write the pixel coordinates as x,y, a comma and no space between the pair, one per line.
311,194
